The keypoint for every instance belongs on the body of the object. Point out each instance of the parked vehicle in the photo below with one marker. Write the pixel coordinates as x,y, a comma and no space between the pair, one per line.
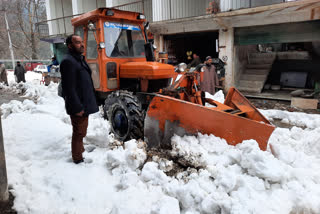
30,66
41,69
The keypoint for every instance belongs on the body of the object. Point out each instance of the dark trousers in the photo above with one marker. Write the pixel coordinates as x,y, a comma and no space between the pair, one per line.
79,131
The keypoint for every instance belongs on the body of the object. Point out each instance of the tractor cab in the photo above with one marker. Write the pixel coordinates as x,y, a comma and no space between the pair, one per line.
119,53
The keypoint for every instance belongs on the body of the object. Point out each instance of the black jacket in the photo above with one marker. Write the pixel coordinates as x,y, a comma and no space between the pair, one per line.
77,85
19,72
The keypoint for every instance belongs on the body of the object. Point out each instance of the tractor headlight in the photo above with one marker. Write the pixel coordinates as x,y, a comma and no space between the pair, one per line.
182,67
102,45
141,16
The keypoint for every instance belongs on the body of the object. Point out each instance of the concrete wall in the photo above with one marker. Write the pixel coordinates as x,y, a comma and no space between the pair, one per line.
226,51
83,6
49,5
176,9
54,11
70,7
258,3
228,5
144,7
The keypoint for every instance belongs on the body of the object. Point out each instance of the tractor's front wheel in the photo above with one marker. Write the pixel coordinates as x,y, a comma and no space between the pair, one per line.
125,115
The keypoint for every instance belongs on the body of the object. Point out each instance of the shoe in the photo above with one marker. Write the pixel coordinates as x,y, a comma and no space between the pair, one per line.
78,161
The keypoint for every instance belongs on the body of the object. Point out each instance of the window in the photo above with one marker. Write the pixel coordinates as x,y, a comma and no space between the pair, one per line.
123,40
92,52
79,31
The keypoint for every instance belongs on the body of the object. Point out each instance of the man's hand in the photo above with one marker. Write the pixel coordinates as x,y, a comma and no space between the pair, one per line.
80,114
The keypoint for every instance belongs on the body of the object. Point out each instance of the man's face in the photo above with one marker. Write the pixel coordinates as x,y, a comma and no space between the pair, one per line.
77,44
209,61
195,56
18,64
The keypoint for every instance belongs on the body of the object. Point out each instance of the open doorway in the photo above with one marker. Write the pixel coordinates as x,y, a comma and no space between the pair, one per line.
180,47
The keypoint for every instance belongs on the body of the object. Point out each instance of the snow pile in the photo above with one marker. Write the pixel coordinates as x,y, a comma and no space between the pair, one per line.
37,135
129,157
41,99
218,96
305,142
140,190
123,178
300,119
29,76
241,179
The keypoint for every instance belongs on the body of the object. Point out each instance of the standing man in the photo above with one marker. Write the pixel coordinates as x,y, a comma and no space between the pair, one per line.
210,77
3,74
19,72
196,61
78,92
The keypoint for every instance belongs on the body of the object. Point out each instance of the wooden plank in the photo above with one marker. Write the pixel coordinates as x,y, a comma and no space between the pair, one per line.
304,103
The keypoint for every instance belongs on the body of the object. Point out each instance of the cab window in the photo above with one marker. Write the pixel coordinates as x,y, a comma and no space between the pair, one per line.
92,52
79,31
123,40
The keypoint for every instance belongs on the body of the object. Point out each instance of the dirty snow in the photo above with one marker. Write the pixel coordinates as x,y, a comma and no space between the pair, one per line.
299,119
220,179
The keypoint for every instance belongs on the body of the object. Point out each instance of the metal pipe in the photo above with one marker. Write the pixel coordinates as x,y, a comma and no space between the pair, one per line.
170,10
25,60
10,43
59,18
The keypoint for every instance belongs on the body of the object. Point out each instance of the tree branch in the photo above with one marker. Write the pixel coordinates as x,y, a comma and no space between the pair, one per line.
16,47
20,21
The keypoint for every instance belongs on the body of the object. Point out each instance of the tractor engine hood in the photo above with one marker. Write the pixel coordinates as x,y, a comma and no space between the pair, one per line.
146,70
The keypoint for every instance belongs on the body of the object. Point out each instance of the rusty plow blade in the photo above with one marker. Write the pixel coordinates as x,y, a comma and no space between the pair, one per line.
235,120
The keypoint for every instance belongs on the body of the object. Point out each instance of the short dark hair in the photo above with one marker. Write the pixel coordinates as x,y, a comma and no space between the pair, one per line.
69,39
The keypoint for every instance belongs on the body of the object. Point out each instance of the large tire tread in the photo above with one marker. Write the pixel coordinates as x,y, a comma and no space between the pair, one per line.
134,111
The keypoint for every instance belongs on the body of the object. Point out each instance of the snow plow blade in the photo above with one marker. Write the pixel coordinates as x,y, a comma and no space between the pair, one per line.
235,120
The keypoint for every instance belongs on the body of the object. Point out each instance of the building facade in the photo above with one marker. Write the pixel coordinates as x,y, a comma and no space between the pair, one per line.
250,36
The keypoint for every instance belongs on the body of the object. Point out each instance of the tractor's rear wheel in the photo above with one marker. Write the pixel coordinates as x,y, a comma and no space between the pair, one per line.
125,115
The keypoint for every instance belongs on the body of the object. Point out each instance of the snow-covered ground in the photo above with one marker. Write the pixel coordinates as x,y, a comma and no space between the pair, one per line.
225,179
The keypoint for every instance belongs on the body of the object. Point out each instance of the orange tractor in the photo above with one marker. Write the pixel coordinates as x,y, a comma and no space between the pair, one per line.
141,98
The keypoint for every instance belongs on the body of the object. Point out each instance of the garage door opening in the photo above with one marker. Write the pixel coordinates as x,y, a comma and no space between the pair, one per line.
180,46
273,61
